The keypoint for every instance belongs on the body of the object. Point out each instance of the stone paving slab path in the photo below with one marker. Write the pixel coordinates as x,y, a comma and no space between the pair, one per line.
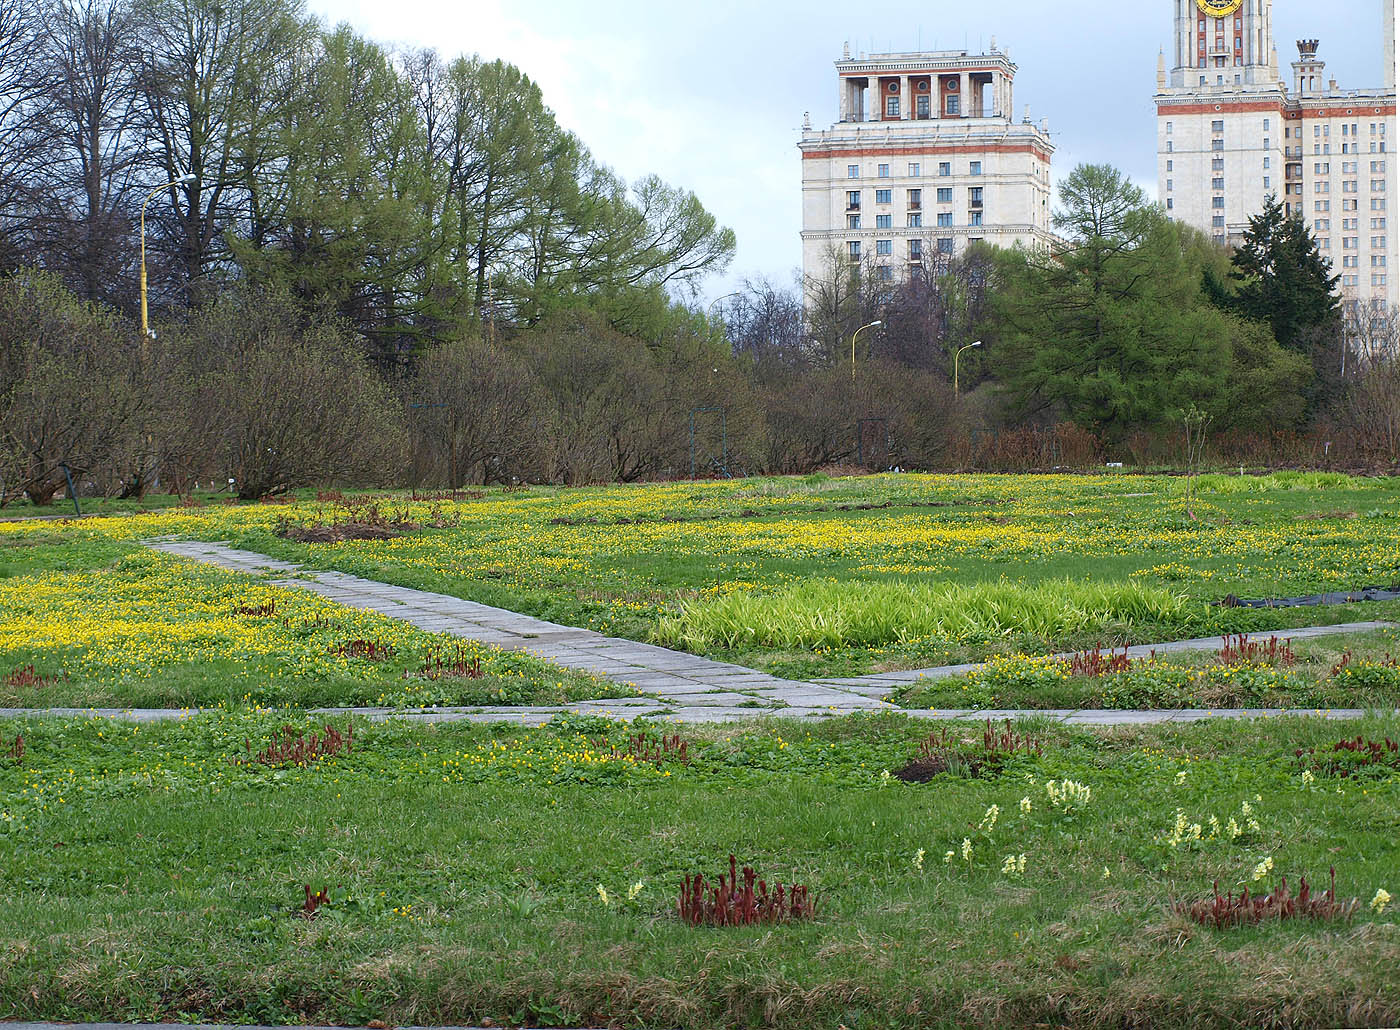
672,678
681,687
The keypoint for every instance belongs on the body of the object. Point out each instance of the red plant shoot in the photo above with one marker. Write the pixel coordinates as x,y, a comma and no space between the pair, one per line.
729,903
291,748
1226,911
1241,650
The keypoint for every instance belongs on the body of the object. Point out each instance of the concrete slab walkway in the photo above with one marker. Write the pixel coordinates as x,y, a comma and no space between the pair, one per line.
682,687
674,679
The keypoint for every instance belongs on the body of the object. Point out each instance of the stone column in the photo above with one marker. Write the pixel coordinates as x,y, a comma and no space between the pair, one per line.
906,98
965,104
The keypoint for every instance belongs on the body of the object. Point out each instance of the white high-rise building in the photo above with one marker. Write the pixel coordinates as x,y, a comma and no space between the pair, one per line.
1231,131
925,159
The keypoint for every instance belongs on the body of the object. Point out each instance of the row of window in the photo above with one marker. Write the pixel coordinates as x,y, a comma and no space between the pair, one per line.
915,220
885,248
1324,206
1355,280
1348,168
915,198
1354,225
923,106
945,168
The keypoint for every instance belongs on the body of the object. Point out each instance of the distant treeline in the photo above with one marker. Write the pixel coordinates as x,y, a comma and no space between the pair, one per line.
414,196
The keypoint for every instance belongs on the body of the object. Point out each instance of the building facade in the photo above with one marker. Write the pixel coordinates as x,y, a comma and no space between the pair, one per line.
1233,130
925,159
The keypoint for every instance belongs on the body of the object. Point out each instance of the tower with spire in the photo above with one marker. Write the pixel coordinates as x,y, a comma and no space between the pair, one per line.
1231,132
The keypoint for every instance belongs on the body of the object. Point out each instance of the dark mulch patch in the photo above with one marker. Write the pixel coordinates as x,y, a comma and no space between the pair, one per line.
345,531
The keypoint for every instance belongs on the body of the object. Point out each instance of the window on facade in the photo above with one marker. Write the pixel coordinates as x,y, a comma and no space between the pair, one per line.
974,218
916,220
945,219
883,196
1217,144
883,171
916,199
1218,221
945,245
916,249
923,107
891,107
853,171
884,248
1217,184
945,194
1217,202
945,168
914,171
974,196
975,168
884,272
853,221
852,199
1217,126
884,221
853,249
952,104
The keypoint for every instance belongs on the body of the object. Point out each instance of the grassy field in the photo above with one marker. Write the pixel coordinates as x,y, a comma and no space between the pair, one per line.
88,621
1350,670
748,570
146,875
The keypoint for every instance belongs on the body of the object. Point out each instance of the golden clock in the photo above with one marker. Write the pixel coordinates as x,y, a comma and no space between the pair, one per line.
1219,8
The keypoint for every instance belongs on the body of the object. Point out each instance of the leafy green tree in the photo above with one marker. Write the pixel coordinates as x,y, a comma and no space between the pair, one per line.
351,232
1109,332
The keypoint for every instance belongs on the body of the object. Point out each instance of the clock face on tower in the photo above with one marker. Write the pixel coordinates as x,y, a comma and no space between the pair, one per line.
1219,8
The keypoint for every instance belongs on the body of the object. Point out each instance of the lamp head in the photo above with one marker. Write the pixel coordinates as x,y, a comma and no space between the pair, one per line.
876,325
977,344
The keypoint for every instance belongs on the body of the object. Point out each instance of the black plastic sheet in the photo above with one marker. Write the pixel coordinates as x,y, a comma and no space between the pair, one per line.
1313,600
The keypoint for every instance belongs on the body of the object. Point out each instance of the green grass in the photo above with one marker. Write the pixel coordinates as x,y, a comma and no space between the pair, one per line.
110,624
1349,670
830,613
143,876
632,560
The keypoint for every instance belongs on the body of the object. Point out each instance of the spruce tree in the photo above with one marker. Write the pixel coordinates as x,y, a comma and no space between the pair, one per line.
1284,279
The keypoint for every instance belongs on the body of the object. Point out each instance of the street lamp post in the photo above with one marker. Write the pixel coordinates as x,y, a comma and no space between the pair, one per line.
145,324
710,307
956,358
872,325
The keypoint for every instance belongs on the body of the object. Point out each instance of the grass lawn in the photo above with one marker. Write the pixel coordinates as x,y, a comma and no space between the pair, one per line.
1358,670
90,621
688,563
144,875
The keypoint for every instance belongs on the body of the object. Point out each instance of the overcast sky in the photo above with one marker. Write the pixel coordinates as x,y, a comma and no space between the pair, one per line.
710,95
